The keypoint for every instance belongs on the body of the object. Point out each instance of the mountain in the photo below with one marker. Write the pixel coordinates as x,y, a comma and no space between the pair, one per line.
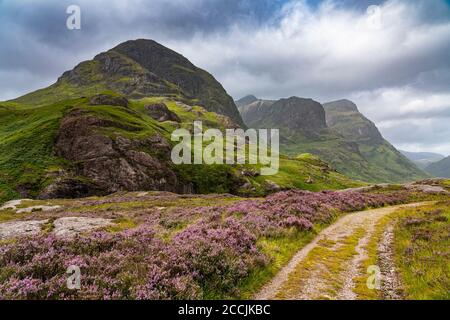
337,132
106,125
137,69
246,100
440,169
423,159
344,117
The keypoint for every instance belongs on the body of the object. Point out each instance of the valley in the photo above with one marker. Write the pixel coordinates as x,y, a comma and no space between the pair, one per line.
87,179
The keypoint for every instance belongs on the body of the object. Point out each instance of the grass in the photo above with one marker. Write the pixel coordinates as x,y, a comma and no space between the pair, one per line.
422,245
28,133
9,215
121,224
26,148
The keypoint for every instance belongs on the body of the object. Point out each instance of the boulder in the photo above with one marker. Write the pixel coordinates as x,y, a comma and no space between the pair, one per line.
108,100
161,113
105,164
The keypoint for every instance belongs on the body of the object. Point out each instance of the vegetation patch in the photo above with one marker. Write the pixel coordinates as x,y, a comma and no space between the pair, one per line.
422,242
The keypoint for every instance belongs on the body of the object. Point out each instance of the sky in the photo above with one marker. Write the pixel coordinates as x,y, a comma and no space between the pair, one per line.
392,58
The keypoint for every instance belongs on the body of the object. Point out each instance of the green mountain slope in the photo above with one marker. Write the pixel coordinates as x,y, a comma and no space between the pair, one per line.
389,164
440,169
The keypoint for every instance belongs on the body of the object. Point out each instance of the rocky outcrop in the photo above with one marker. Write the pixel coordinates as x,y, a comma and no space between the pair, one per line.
69,227
106,164
21,228
105,99
66,227
161,113
344,117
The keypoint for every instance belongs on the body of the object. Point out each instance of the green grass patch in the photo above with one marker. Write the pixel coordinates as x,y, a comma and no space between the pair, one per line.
422,243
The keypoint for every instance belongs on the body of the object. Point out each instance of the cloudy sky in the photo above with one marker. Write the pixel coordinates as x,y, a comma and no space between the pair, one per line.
390,57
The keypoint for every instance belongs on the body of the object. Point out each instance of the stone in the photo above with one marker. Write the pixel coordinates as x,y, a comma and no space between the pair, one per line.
109,100
161,113
15,229
68,227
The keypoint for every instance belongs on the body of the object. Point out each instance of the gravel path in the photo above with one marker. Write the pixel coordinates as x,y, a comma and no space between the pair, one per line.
317,286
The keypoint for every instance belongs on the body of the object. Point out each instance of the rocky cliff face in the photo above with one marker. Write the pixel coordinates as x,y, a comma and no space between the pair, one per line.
293,114
246,101
112,164
344,117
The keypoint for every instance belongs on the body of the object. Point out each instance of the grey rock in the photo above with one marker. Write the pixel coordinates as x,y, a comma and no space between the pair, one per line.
161,113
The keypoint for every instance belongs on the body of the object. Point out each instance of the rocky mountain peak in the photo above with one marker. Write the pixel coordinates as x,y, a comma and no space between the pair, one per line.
344,117
294,113
144,68
342,105
246,100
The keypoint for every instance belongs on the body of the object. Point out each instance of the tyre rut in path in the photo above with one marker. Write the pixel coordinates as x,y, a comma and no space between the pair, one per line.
327,266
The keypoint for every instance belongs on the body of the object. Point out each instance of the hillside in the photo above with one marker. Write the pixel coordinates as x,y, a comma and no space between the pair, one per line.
95,133
344,117
440,168
422,159
337,133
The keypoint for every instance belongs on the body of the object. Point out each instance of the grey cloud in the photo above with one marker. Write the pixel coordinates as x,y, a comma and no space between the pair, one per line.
263,47
420,134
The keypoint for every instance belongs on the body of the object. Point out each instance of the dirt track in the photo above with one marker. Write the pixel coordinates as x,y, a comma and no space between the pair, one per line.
327,267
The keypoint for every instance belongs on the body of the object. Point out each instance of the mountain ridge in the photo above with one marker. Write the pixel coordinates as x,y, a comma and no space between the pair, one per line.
338,133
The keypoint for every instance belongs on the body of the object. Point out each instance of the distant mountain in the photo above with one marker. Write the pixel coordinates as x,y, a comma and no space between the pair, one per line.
337,133
246,100
440,169
423,159
344,117
390,164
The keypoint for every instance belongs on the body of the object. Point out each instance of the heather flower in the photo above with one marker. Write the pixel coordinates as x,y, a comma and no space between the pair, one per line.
212,250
